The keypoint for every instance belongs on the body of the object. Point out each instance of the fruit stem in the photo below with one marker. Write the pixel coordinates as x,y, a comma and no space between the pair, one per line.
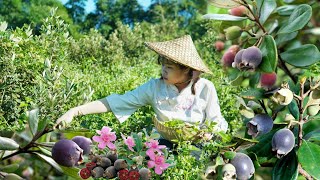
304,173
256,19
301,122
283,66
29,145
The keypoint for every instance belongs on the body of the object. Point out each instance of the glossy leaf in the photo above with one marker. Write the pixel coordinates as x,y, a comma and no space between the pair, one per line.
313,136
223,17
33,120
50,161
9,168
266,7
303,56
308,156
8,144
286,167
285,10
269,54
298,19
253,94
264,147
294,110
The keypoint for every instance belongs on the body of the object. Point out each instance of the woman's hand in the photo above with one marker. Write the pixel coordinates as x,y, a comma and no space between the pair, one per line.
65,119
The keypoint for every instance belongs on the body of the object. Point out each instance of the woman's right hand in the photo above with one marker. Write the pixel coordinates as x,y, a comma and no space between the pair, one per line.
65,119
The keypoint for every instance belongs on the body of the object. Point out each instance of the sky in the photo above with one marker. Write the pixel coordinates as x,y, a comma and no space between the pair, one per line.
90,6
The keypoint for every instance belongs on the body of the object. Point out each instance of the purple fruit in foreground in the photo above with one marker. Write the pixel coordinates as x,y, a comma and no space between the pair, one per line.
66,153
244,166
283,142
260,124
84,143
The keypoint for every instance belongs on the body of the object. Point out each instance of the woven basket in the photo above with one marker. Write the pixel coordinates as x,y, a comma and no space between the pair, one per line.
176,134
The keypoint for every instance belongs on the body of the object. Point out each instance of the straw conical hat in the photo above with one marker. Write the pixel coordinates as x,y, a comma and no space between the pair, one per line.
181,50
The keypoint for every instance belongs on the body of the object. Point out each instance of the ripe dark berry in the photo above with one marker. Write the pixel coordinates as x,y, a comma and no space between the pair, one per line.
267,80
123,174
85,173
228,58
260,124
97,172
134,174
91,165
84,143
67,153
104,162
120,164
244,166
110,172
219,45
145,174
283,142
112,156
251,58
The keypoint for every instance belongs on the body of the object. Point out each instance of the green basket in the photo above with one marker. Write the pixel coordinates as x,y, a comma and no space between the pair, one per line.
176,134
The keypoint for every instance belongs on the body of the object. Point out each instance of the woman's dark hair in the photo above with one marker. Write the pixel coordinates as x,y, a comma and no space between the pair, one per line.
190,74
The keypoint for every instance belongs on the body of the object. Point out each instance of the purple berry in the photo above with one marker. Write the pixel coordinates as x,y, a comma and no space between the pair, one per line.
66,153
84,143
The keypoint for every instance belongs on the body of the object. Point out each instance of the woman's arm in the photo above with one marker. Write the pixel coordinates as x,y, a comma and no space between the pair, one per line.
98,106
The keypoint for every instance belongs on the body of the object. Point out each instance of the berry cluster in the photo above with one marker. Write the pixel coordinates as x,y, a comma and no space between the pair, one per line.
109,166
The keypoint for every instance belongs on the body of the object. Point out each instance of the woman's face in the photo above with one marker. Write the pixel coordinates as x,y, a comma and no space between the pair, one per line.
172,73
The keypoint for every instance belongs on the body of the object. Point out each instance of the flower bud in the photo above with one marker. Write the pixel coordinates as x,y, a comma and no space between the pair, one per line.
283,96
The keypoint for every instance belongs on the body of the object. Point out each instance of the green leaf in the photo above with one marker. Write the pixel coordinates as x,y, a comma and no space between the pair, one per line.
294,109
223,17
138,142
308,156
266,7
253,94
303,56
50,161
313,136
282,38
33,119
285,10
8,144
225,3
9,168
229,155
286,167
264,147
298,19
269,54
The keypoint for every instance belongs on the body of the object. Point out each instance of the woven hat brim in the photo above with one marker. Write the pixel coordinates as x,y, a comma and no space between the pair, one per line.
165,49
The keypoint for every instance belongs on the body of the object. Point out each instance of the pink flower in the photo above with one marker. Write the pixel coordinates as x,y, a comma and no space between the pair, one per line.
129,141
105,139
157,161
154,146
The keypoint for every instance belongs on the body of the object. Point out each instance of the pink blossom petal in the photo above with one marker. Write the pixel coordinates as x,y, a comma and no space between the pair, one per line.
161,146
98,131
112,136
102,145
164,166
158,170
150,153
130,148
106,129
151,164
97,139
111,145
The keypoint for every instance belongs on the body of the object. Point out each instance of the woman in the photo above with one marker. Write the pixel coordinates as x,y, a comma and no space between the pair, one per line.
179,94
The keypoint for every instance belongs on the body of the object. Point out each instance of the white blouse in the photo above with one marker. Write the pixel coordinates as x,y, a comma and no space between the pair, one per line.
169,104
